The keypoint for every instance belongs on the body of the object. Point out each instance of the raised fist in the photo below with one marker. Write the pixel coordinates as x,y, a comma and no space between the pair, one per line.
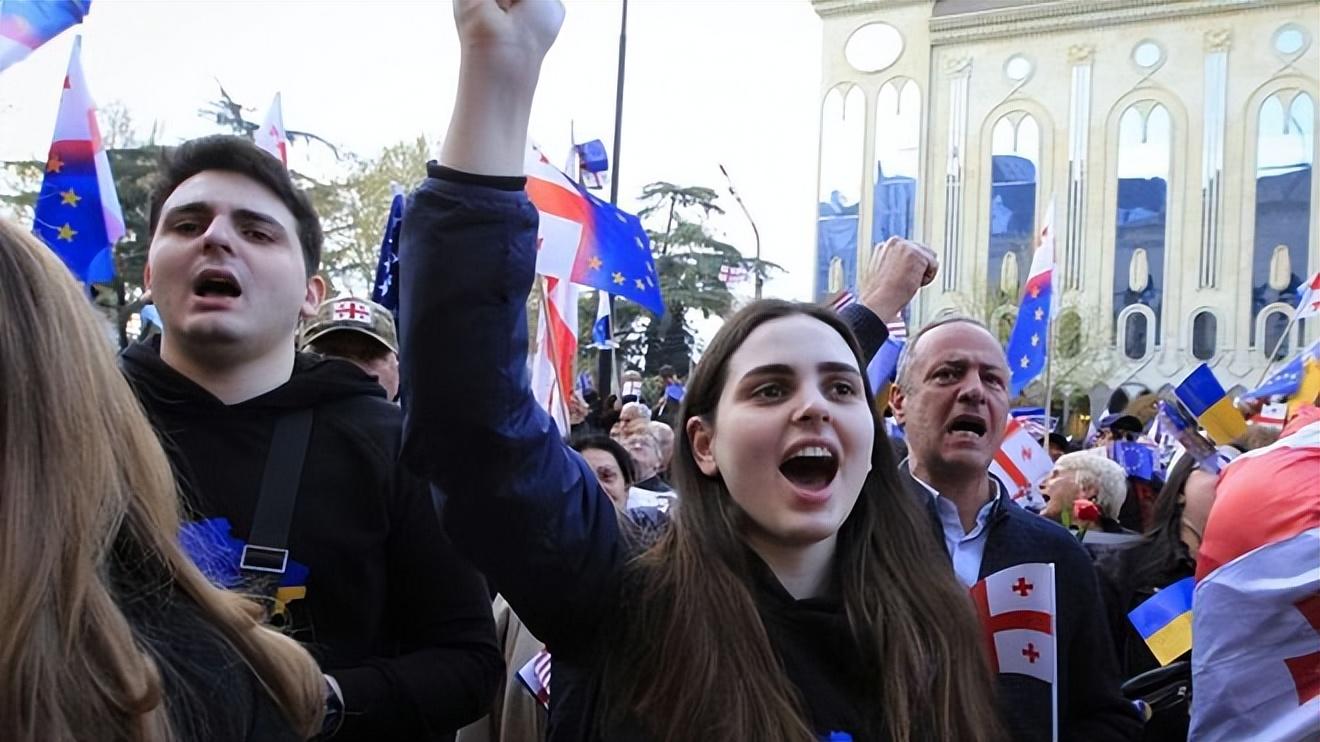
896,270
515,33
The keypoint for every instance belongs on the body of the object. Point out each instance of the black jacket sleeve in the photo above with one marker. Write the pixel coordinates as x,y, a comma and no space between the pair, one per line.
448,667
870,330
523,506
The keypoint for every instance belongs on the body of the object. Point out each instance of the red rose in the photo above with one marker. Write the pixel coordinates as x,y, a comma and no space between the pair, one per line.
1085,511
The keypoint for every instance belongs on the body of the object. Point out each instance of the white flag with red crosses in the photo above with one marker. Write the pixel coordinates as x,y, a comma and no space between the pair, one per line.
1017,611
1020,464
352,311
271,136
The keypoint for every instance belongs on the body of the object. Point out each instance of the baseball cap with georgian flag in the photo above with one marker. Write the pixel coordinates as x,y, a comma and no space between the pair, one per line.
347,314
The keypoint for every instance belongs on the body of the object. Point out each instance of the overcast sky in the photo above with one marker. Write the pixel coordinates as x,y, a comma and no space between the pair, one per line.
707,82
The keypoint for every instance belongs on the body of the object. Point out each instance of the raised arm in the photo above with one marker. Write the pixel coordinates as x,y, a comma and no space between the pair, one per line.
525,509
897,269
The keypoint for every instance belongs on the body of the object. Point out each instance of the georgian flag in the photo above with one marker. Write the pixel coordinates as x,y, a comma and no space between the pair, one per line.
1016,607
1256,608
1020,464
1308,304
556,350
271,136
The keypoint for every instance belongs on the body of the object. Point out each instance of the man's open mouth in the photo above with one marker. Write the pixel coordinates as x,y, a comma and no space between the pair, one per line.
216,283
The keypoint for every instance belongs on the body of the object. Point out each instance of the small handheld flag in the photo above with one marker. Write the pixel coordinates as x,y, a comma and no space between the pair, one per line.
1016,607
1284,383
77,213
1164,621
1308,304
1175,424
535,676
1206,399
1027,343
27,24
602,331
1308,389
271,136
1021,463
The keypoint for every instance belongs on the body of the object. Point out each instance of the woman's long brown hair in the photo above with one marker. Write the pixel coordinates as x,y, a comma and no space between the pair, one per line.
81,474
696,663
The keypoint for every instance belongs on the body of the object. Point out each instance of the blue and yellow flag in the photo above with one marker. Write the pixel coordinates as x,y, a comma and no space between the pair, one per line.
1165,621
1308,388
1206,399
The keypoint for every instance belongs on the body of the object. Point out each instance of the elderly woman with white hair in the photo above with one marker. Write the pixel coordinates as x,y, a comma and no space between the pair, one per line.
1086,475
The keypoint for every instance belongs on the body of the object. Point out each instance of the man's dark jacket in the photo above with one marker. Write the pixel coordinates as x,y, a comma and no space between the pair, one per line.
400,621
1090,704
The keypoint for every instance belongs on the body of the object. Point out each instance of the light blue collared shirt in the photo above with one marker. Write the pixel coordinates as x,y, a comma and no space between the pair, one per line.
966,548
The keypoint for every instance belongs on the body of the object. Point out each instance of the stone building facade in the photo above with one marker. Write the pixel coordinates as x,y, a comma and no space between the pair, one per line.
1173,141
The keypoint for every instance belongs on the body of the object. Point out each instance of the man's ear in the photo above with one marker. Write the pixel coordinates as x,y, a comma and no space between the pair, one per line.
315,295
702,436
896,402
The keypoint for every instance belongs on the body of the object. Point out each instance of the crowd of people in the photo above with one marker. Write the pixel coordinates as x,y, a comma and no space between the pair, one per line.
242,530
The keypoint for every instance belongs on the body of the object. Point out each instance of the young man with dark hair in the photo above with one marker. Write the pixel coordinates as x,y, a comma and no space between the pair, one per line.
289,460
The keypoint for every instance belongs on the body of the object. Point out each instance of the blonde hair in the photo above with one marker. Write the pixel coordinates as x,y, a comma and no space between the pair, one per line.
82,475
1095,471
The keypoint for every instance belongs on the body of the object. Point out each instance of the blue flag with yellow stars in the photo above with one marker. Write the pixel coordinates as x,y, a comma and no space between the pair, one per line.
77,212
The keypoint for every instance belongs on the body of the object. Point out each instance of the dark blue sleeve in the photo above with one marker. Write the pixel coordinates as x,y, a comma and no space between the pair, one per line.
870,330
525,508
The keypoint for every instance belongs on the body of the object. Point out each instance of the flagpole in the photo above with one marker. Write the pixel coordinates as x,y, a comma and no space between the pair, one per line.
1049,381
1269,359
1054,632
605,360
618,106
1049,332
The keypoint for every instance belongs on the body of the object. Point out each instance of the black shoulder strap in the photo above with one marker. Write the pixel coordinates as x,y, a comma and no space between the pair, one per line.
267,550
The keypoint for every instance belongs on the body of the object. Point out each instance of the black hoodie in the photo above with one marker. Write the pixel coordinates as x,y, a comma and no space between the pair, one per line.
391,612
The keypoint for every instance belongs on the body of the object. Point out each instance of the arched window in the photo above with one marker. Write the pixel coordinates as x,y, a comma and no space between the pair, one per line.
1205,336
836,275
1276,322
897,159
1135,336
842,138
1144,142
1014,163
1068,334
1285,156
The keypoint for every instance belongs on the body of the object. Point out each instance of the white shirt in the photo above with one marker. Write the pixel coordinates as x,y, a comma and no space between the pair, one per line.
966,548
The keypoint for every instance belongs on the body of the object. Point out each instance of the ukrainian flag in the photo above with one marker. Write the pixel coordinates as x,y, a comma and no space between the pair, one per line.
1165,621
1308,389
1206,399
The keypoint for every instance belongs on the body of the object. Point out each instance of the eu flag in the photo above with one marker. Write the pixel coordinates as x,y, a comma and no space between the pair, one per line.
1031,331
77,212
385,291
588,241
1285,382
